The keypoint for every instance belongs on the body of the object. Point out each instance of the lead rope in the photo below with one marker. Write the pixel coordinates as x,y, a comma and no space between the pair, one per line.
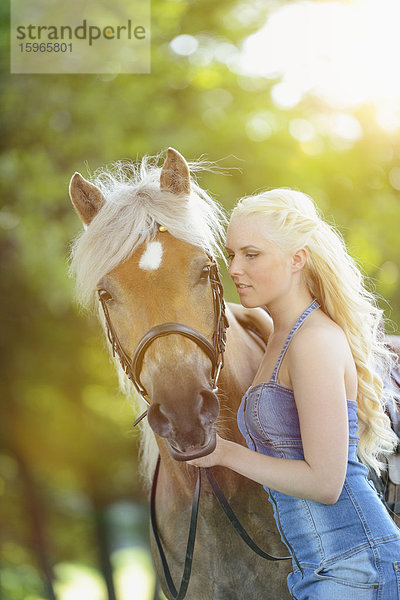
226,507
187,569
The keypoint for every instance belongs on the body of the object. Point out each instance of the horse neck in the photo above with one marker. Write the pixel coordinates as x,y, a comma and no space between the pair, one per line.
243,355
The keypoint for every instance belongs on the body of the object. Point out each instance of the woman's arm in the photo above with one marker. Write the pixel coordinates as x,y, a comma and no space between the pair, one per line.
316,368
253,318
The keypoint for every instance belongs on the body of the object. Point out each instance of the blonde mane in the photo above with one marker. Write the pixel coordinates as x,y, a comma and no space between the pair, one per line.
134,207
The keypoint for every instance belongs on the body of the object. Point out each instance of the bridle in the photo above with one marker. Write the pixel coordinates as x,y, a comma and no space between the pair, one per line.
132,367
215,350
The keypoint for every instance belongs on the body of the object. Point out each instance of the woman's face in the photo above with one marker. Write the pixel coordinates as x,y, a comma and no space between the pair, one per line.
260,270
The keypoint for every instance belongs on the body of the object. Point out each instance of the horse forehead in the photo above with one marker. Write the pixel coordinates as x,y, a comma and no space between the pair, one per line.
151,257
165,253
156,260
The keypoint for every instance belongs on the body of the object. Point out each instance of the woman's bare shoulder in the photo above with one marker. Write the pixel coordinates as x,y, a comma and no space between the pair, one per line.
320,357
319,338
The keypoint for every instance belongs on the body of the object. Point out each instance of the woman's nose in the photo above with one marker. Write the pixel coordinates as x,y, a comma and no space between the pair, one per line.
235,268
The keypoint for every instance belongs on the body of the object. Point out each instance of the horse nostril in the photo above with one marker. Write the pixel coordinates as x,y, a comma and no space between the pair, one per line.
158,421
209,407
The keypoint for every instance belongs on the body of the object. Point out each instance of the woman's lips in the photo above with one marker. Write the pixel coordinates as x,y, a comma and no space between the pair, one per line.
241,287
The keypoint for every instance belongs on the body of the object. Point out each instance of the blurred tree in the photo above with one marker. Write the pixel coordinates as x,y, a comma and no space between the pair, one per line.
66,450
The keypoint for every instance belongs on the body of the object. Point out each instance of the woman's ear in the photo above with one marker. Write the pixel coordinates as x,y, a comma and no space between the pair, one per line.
299,259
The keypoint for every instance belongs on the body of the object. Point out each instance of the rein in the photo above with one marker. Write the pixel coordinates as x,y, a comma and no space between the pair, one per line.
132,367
226,507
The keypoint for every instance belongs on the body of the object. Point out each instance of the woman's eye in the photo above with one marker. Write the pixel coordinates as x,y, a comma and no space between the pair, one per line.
229,257
104,295
251,255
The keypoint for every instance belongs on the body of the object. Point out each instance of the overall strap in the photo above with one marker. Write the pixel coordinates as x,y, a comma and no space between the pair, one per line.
313,306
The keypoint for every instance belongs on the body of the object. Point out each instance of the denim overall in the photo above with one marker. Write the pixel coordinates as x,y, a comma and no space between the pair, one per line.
349,550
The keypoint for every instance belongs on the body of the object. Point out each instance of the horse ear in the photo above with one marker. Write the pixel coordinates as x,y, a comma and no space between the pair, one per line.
175,175
86,197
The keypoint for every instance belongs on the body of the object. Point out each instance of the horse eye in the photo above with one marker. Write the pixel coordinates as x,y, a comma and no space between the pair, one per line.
104,295
205,273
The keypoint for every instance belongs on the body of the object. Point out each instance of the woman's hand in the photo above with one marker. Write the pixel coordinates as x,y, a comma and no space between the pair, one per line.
213,459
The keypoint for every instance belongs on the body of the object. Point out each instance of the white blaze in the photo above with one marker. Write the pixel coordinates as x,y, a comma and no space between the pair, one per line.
151,257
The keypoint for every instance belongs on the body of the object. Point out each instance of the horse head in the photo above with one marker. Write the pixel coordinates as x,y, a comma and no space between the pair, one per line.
148,250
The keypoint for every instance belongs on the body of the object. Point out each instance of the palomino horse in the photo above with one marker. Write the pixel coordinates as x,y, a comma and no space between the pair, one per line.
149,243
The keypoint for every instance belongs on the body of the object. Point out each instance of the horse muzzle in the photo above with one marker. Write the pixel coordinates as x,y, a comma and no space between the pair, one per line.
188,427
190,454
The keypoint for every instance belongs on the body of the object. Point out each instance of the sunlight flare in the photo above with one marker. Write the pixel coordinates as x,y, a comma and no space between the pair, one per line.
344,53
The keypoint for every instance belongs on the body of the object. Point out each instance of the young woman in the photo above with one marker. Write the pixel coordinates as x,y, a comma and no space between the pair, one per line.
314,417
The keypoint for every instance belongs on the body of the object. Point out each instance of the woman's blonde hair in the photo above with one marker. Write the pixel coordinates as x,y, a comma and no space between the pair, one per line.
334,279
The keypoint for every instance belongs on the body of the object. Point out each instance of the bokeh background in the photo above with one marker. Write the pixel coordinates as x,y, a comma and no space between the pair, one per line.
297,94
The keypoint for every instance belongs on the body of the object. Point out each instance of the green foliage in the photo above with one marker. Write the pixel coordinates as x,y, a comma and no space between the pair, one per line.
65,429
